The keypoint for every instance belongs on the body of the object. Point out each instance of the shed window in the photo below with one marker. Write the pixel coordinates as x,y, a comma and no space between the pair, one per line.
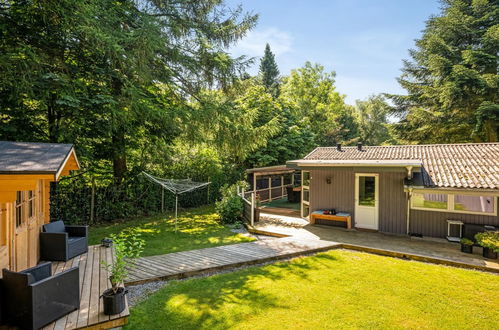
19,208
31,204
3,225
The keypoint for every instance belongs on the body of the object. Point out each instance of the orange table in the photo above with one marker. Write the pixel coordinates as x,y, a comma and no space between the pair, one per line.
347,219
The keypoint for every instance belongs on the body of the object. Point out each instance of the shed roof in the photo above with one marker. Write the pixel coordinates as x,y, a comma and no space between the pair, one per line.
34,158
467,165
269,170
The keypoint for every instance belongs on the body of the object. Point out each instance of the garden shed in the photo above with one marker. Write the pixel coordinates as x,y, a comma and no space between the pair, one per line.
26,171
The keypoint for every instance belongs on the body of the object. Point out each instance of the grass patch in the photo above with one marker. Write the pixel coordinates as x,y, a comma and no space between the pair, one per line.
197,228
338,289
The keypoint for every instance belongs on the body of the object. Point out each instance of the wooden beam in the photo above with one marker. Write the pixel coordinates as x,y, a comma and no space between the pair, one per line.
7,196
25,177
17,185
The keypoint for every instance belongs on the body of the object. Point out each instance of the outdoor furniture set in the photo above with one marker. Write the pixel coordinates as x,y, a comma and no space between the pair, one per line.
33,298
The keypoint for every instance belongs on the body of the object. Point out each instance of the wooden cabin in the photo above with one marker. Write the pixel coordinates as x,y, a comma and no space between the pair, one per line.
26,171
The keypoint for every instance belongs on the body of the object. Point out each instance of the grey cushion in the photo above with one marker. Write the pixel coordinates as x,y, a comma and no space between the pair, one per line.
54,227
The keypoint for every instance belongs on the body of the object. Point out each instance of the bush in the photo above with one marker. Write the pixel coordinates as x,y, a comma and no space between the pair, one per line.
230,208
466,241
489,239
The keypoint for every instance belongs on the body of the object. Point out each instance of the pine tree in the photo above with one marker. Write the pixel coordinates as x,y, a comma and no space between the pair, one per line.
452,79
269,72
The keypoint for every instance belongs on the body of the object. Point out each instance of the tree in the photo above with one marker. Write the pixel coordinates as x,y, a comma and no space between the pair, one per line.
310,93
112,76
269,72
372,120
452,79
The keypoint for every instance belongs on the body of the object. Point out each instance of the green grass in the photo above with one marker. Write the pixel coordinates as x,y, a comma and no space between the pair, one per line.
336,290
197,229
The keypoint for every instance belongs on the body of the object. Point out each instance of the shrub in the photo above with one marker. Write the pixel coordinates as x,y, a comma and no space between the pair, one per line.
466,241
489,239
230,208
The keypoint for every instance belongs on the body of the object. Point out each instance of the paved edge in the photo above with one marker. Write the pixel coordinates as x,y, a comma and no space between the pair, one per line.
418,257
390,253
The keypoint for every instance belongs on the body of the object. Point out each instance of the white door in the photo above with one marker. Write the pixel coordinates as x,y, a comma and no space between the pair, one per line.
366,201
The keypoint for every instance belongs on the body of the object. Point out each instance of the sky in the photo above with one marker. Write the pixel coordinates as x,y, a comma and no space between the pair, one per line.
363,41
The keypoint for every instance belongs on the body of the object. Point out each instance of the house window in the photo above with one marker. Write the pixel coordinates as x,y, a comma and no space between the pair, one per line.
19,208
481,204
430,201
367,190
455,203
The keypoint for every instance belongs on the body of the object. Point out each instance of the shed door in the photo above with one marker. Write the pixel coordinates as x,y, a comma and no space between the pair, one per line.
21,233
366,201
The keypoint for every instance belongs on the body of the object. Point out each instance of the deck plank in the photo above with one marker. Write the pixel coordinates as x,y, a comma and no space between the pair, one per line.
188,263
93,281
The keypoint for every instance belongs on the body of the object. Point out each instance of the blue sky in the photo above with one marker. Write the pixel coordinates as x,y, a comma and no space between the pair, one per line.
363,41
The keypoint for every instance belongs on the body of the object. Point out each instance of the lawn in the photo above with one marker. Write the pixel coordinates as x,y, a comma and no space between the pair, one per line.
197,228
338,289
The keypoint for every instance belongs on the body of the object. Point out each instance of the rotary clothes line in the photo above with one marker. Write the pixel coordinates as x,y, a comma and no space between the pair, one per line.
177,187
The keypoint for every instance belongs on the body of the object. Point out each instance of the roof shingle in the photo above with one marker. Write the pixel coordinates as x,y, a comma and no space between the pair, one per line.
29,157
473,165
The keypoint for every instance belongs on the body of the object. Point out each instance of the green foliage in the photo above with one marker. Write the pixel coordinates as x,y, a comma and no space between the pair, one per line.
452,79
466,241
113,77
269,72
372,121
231,207
488,239
312,96
127,244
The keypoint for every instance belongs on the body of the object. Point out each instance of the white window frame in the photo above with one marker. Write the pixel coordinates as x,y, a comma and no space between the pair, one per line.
450,202
303,188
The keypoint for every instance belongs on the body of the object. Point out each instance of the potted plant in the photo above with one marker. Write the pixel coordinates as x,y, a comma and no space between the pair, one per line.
466,245
489,240
127,244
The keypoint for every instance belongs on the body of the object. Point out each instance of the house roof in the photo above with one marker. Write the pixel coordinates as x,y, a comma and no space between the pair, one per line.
473,165
34,158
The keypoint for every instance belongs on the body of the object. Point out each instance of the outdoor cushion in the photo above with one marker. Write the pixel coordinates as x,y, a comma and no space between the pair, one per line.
54,227
37,298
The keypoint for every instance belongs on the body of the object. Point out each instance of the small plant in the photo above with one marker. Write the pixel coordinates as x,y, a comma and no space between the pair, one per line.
231,207
466,241
127,244
489,240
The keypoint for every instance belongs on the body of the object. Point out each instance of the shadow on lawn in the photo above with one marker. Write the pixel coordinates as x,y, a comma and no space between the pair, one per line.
222,300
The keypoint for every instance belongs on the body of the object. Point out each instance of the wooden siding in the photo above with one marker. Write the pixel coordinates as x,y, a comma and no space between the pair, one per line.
340,194
434,223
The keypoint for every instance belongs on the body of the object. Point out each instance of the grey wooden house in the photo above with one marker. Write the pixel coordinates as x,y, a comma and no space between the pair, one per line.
423,190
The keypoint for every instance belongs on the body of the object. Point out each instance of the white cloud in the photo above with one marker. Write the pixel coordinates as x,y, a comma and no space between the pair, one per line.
254,42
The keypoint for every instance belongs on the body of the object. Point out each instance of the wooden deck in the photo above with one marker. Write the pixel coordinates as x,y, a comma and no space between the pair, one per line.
189,263
93,282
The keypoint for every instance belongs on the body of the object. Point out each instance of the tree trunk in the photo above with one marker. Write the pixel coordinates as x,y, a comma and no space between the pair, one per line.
119,156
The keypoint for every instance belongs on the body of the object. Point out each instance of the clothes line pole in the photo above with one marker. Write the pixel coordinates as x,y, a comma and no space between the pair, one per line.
176,212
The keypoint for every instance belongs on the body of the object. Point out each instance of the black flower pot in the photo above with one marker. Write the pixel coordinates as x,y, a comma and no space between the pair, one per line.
489,253
466,248
114,303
